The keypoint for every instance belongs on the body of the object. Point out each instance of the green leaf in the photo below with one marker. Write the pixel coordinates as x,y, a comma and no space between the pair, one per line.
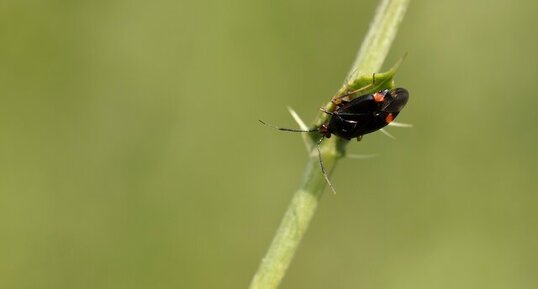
371,82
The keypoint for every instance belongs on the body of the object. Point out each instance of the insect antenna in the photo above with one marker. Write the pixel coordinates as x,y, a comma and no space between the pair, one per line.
323,171
288,129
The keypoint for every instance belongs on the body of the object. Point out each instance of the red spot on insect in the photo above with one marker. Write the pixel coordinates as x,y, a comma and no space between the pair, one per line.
379,97
389,118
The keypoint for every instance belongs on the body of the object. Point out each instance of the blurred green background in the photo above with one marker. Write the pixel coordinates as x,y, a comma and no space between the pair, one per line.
131,155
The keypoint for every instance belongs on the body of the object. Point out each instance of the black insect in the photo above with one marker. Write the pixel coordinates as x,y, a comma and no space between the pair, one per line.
359,116
364,114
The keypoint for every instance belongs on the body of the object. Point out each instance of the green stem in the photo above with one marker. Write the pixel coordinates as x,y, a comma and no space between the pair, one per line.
378,40
291,230
304,203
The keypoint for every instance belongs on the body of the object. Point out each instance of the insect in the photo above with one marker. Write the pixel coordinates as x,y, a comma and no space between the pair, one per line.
357,117
364,114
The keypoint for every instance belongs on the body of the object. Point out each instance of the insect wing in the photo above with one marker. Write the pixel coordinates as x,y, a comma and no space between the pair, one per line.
395,100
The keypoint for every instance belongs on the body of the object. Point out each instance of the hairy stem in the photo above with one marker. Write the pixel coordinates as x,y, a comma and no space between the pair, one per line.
304,203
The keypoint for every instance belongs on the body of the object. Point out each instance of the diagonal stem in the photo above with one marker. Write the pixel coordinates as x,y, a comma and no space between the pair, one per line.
305,201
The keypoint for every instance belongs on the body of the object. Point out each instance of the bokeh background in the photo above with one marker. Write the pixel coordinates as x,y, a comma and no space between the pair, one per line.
131,155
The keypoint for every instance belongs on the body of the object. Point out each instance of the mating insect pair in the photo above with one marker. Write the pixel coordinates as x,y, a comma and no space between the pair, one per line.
357,117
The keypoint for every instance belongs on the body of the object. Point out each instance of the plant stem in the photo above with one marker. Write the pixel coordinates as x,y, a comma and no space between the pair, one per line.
378,40
304,203
294,224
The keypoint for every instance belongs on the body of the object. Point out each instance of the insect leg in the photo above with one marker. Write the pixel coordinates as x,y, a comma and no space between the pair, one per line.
337,99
